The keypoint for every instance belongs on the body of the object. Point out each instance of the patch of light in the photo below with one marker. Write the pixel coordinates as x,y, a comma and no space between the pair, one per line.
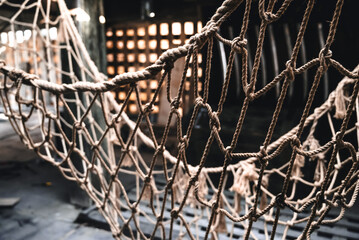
80,15
102,19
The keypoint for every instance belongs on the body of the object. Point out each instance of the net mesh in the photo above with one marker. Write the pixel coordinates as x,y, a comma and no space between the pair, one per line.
88,136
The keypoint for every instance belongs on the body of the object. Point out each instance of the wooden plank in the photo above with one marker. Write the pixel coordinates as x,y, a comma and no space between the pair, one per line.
9,202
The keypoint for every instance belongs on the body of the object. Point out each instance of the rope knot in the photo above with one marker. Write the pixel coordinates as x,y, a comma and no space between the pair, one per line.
295,142
339,140
211,28
79,125
183,142
160,149
324,56
268,17
148,108
214,121
175,103
134,210
279,199
193,180
174,213
215,205
239,44
262,152
339,198
168,65
320,199
228,152
147,179
290,70
198,101
197,39
159,219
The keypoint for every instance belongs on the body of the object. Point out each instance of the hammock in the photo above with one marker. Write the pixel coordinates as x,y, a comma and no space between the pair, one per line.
87,135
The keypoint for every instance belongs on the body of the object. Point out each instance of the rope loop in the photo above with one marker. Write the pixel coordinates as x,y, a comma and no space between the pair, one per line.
290,70
340,199
183,142
320,199
324,58
262,154
267,17
339,140
214,121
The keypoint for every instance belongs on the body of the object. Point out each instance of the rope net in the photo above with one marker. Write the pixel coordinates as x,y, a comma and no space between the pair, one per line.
50,85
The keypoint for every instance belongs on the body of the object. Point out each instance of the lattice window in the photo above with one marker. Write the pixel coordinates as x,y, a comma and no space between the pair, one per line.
132,47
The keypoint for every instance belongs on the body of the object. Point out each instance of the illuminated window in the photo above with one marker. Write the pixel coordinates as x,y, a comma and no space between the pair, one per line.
143,96
132,69
155,109
142,58
111,70
141,44
188,28
152,30
187,85
143,84
109,33
120,69
176,28
130,44
176,41
199,58
165,44
109,44
189,72
120,44
120,57
164,29
122,96
154,84
141,31
131,57
153,44
132,108
153,57
130,32
199,26
199,72
110,57
119,33
200,86
133,96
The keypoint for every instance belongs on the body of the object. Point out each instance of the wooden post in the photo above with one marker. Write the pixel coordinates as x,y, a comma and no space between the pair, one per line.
93,35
